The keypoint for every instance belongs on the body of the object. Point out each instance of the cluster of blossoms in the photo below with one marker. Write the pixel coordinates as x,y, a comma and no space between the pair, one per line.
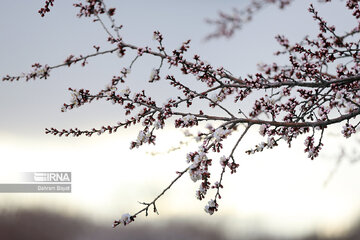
46,8
311,149
220,134
323,113
142,138
225,162
211,207
218,97
186,121
154,76
348,130
38,71
270,143
198,169
125,92
125,220
303,97
263,129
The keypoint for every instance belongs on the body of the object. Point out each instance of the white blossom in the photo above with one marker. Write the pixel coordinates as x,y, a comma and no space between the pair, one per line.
202,189
348,130
338,95
188,158
350,108
210,207
41,71
194,165
262,130
209,126
198,137
142,137
125,92
110,88
154,74
220,133
195,175
197,159
125,218
188,119
119,54
285,137
158,125
271,142
214,98
269,100
311,153
223,161
187,133
261,146
320,112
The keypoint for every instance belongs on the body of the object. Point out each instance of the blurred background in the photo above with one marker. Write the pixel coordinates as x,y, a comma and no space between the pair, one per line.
276,194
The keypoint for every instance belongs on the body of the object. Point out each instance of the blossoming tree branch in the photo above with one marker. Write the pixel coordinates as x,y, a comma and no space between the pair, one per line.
318,87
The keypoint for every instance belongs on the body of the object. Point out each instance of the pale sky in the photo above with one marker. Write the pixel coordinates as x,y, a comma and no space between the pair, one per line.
278,191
